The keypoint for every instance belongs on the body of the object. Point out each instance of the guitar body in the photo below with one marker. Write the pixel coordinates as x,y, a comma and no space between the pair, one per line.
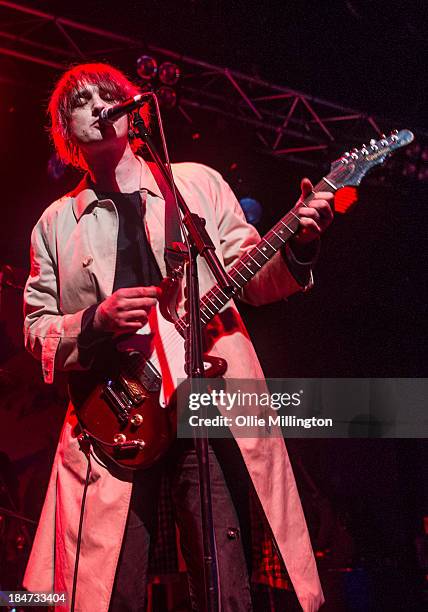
131,414
136,438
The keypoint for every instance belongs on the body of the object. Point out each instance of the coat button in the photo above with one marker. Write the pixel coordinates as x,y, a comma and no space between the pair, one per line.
232,533
87,261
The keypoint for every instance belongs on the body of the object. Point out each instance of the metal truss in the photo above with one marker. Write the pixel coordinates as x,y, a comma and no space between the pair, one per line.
286,122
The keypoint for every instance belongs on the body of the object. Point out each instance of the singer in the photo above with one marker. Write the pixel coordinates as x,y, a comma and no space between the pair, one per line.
97,261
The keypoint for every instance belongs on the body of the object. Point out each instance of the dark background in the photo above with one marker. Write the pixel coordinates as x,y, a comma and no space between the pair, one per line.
366,315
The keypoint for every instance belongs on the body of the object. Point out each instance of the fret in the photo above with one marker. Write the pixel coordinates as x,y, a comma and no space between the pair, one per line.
244,264
180,325
219,295
241,275
261,253
266,241
221,290
209,309
282,240
255,260
211,292
205,319
287,226
207,297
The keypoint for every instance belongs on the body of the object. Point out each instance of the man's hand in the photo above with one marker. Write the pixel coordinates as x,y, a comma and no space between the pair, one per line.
126,310
315,217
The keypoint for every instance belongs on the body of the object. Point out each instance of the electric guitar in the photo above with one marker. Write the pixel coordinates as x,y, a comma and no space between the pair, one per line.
129,415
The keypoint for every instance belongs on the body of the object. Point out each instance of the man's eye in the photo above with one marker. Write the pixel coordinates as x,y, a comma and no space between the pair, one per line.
80,101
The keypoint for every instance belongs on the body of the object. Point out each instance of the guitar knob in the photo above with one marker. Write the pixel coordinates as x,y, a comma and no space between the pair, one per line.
119,438
136,420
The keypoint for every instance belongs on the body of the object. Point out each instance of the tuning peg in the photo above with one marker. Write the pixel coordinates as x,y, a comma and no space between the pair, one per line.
347,154
395,132
364,150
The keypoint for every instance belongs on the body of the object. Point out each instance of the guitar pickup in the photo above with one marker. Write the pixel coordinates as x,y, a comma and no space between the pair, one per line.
117,401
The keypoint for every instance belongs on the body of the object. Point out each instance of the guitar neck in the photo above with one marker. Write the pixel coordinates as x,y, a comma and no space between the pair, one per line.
253,260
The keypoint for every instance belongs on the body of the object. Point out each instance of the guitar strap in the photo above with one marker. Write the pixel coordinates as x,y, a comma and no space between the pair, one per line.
173,254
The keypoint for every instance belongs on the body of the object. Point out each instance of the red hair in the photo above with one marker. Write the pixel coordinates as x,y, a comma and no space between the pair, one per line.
64,99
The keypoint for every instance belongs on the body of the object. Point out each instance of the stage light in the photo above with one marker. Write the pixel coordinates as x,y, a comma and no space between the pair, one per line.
409,169
345,199
423,174
169,73
167,97
147,67
252,210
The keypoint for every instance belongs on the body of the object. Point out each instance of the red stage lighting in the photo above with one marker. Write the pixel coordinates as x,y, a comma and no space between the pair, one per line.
345,199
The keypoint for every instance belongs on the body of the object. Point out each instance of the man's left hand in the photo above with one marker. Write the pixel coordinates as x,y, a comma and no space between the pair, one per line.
315,217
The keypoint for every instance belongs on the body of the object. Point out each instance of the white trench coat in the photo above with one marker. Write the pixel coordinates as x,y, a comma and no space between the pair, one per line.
73,266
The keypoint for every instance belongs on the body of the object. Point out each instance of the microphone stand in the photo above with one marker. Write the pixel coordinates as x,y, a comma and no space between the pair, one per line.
199,244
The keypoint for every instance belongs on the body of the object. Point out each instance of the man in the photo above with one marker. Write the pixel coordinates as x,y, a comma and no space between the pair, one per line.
97,260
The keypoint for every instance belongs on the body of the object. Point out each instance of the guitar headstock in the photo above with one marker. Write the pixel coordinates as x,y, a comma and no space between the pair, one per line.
350,169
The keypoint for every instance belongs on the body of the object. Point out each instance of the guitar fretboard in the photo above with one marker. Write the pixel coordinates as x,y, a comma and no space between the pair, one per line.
253,260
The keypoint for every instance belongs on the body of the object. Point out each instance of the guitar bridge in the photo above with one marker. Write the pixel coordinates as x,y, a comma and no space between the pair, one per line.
133,389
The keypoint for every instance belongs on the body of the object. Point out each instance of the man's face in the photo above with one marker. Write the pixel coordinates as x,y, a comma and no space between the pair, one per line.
85,127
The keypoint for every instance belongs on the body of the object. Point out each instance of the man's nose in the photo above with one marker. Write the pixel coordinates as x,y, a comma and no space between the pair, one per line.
97,104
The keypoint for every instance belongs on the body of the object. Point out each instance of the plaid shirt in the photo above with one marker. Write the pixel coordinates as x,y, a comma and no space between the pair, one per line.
268,567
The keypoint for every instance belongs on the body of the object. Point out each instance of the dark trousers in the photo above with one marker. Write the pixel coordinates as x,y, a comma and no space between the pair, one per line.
129,591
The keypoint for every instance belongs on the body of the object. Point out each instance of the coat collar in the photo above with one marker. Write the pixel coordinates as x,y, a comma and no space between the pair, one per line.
84,195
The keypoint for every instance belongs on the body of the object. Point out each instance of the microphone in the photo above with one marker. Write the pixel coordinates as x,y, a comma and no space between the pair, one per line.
110,115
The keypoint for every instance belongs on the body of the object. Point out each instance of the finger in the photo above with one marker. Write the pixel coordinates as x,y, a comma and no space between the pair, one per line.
312,213
124,305
310,226
139,292
306,188
323,195
136,315
323,208
127,328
